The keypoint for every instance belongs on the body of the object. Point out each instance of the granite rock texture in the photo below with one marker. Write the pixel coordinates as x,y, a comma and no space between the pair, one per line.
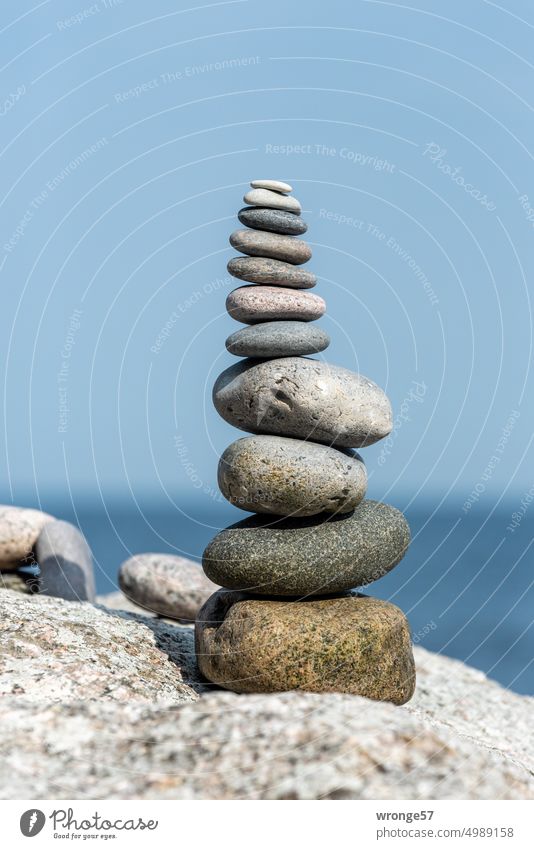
355,644
272,200
19,528
303,398
272,220
166,584
270,272
460,737
278,339
306,557
252,304
65,562
290,477
262,244
57,650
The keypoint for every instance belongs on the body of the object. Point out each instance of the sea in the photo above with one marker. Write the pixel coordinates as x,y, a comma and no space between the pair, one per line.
466,582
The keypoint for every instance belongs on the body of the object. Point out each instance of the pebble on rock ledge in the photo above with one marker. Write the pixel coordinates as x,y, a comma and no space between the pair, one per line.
354,644
19,528
272,245
166,584
303,398
66,563
305,557
270,271
253,304
291,477
278,339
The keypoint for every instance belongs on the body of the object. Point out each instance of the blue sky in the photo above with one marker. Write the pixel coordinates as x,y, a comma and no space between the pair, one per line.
128,136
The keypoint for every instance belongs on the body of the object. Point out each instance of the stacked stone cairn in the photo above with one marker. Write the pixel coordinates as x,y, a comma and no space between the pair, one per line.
289,616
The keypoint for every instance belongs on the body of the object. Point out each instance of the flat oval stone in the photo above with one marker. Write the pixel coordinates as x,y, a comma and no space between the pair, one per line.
278,339
273,185
259,243
314,556
273,200
19,529
270,271
273,220
252,304
354,644
166,584
308,399
65,561
291,477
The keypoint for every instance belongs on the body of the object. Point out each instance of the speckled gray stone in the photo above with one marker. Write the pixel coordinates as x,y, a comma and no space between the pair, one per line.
314,556
291,477
272,185
166,584
273,220
66,563
305,398
273,200
278,339
19,528
259,243
271,271
252,304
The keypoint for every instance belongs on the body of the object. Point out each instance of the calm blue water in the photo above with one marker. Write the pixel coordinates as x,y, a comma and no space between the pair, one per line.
465,584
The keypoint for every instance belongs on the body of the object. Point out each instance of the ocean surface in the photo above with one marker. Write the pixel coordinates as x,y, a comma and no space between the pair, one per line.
466,583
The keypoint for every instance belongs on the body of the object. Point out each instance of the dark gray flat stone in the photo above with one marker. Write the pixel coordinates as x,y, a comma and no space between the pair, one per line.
273,220
278,339
315,556
66,562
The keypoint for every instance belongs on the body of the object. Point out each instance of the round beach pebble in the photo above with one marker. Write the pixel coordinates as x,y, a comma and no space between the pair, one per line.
313,556
278,339
272,185
290,477
304,398
252,304
19,529
260,243
166,584
273,220
273,200
271,271
353,644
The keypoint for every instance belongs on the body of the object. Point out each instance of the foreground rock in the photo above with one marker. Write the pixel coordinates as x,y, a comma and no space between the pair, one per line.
303,398
314,556
166,584
355,644
290,477
56,650
461,737
19,529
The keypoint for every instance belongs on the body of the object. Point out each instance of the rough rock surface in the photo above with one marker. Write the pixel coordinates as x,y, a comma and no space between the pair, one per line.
355,644
55,650
460,737
251,304
310,556
166,584
290,477
304,398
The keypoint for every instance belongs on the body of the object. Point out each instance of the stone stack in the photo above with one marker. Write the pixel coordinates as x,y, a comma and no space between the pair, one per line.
288,616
